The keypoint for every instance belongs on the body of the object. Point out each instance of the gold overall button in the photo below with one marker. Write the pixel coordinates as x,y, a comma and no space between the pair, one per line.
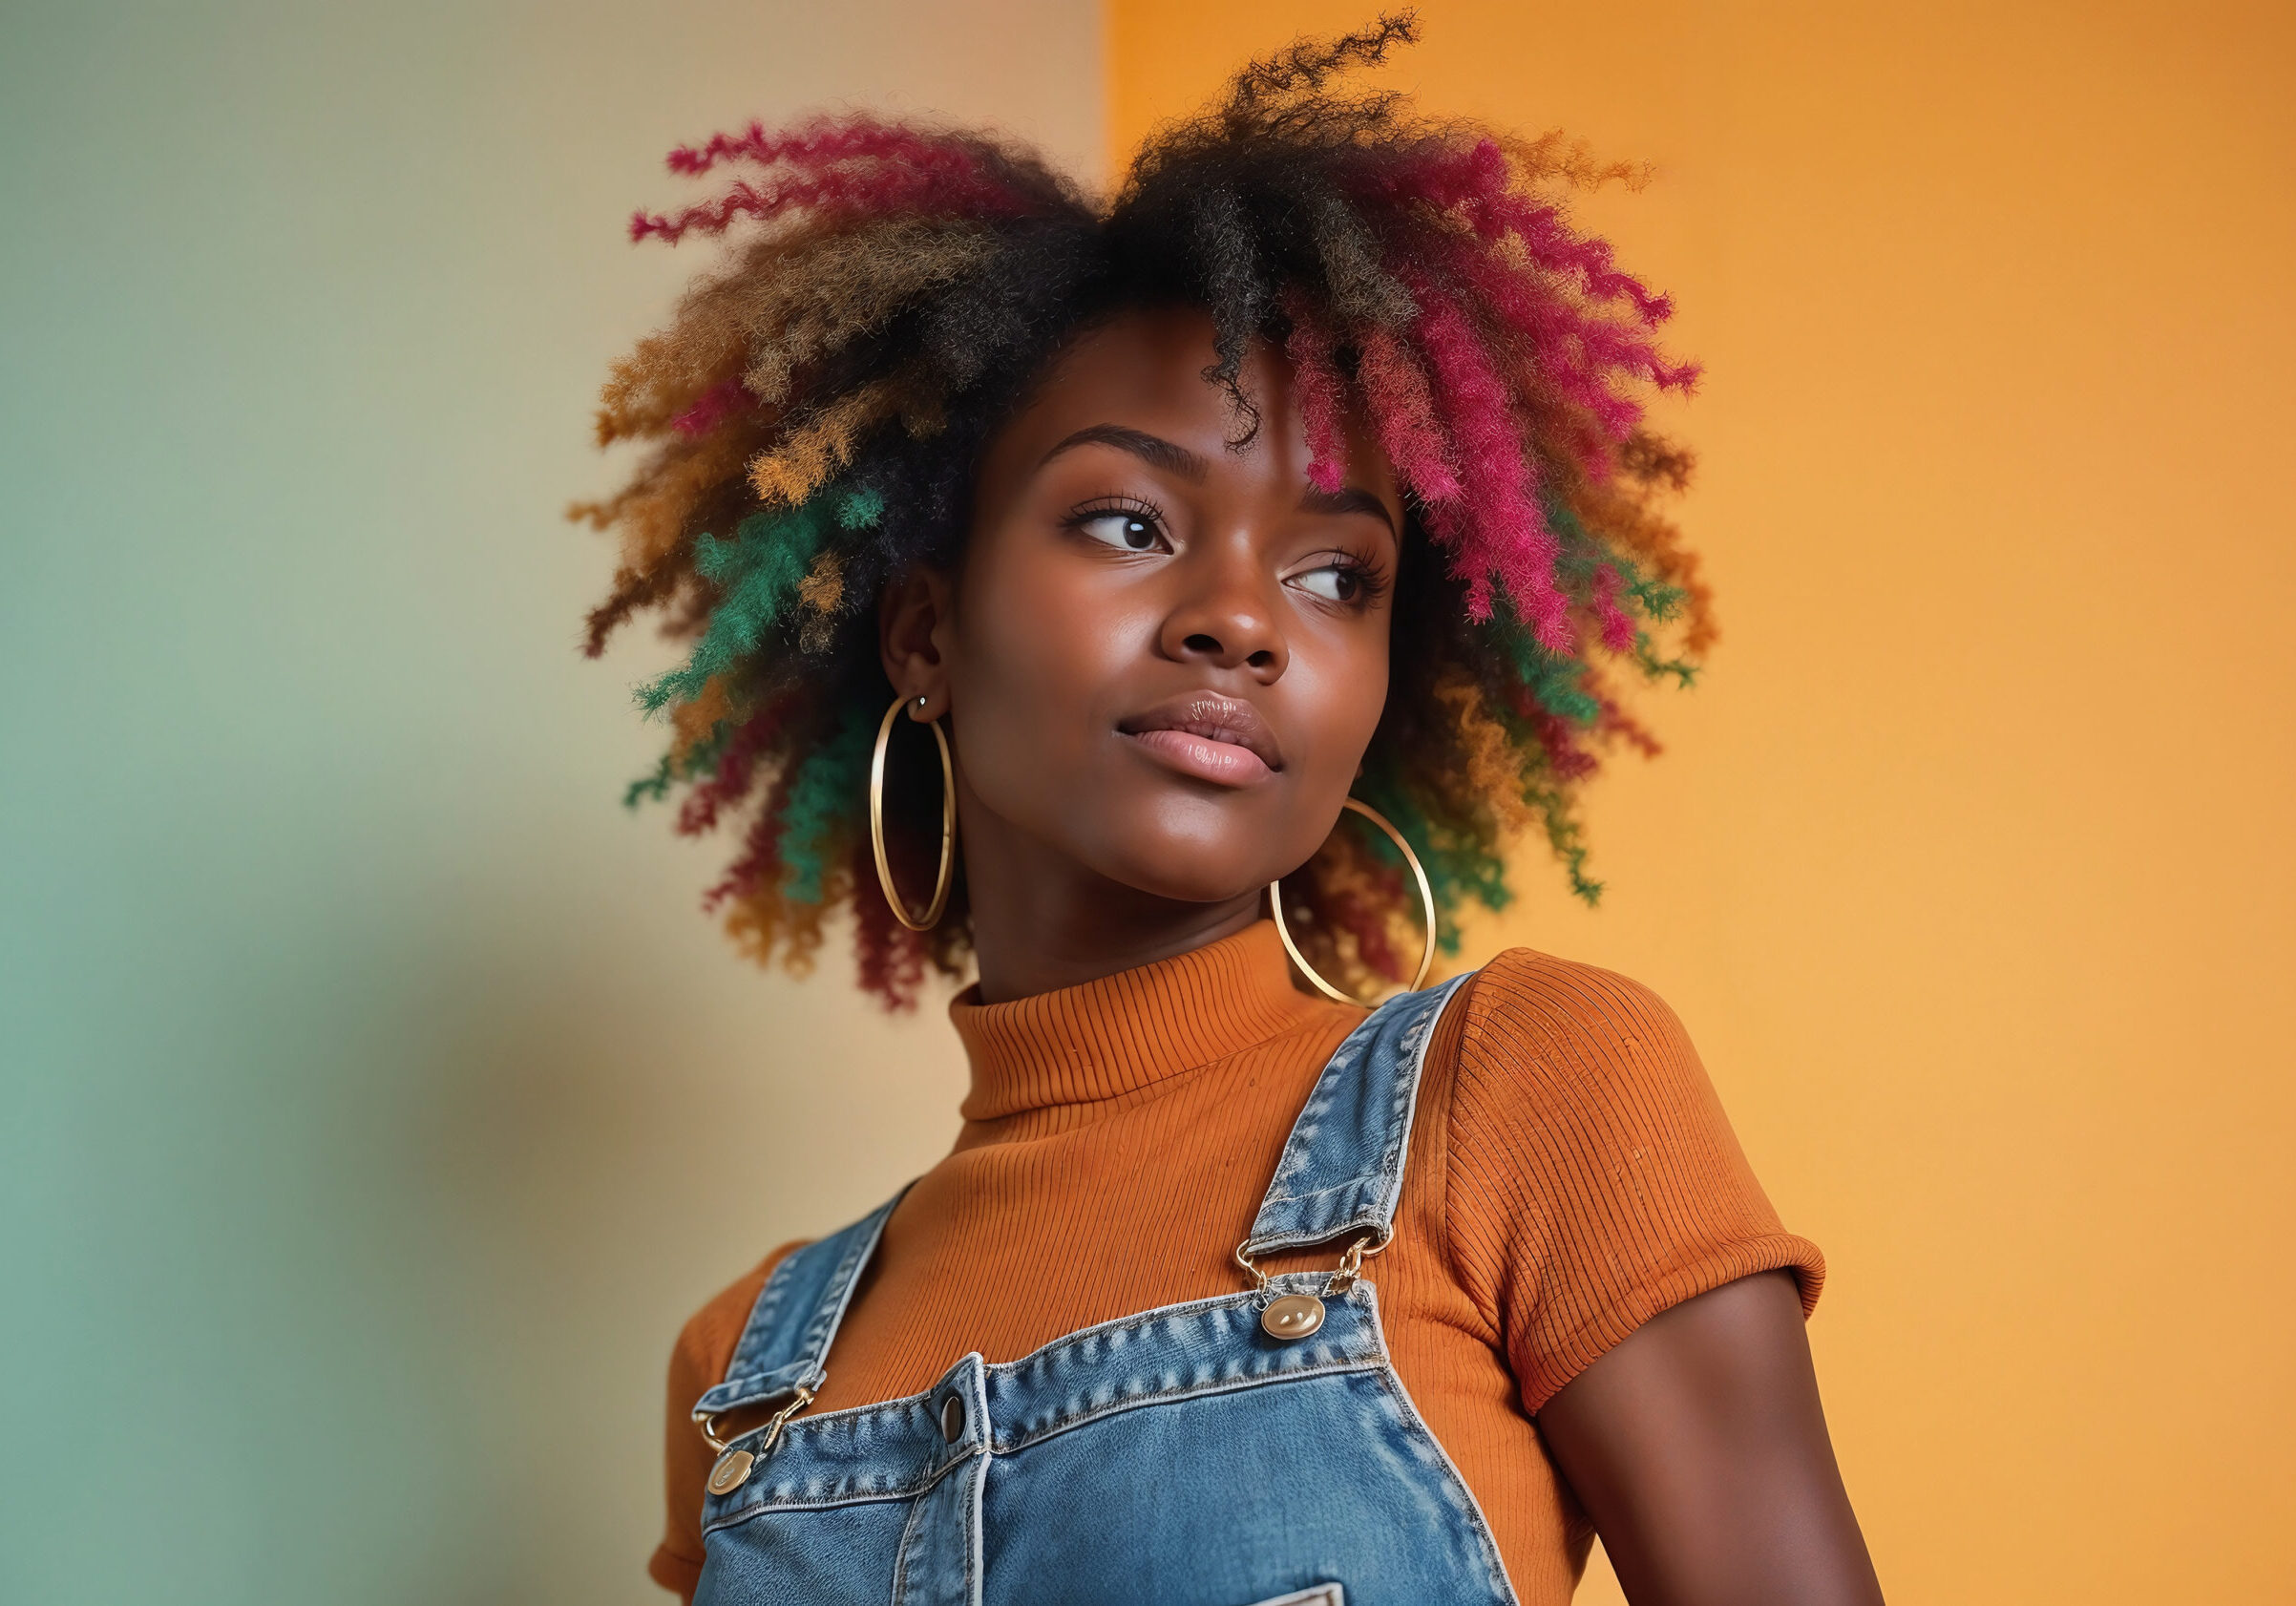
952,1419
1294,1315
732,1471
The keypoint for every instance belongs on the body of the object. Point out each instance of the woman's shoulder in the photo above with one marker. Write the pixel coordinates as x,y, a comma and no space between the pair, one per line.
697,1364
1536,1018
706,1343
1557,1065
1592,1177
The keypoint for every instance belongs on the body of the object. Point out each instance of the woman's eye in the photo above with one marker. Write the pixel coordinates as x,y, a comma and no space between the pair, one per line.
1334,582
1126,532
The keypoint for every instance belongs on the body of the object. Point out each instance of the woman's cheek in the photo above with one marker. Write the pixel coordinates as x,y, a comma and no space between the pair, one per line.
1342,675
1037,657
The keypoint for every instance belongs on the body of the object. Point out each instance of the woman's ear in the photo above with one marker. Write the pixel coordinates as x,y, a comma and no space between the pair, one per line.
913,626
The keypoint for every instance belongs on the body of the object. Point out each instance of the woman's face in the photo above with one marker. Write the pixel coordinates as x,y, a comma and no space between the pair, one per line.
1162,659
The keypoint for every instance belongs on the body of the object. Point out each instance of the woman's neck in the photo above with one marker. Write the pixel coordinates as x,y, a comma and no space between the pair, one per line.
1041,921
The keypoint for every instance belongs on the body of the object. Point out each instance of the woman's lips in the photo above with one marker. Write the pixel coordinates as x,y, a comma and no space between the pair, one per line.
1213,738
1223,763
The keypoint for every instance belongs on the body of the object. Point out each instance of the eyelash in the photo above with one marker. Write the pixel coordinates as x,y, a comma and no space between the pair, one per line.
1103,507
1370,580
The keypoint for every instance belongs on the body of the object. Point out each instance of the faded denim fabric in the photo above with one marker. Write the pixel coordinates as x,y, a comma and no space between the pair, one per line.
1180,1457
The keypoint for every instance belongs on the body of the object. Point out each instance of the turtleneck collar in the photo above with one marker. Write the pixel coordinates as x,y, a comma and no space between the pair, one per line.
1111,1036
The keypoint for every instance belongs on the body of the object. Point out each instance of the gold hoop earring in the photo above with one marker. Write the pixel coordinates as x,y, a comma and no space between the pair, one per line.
948,822
1427,901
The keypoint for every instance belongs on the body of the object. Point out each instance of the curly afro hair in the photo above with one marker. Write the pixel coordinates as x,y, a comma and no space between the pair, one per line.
818,406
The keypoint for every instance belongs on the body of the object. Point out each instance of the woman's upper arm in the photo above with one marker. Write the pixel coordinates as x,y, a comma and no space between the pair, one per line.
1593,1178
697,1362
1698,1447
1649,1300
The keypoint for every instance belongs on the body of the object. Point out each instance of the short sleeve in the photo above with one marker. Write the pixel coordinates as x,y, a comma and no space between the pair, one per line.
697,1363
1593,1179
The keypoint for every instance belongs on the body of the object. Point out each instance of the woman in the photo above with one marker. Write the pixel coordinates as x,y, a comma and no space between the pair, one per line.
1058,577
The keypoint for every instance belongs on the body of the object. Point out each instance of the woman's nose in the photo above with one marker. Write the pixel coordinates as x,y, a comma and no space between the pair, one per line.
1228,622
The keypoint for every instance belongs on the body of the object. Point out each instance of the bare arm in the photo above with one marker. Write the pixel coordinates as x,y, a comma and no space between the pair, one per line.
1698,1447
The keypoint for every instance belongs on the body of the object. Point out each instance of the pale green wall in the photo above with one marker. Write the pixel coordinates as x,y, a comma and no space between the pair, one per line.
368,1083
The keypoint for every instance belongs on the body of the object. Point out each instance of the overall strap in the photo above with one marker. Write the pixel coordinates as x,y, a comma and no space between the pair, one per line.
796,1318
1342,1169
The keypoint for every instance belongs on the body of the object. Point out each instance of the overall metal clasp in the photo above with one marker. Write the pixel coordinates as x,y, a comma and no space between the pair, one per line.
734,1465
1294,1315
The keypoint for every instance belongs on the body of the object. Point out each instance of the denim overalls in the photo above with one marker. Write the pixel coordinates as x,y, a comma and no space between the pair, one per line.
1243,1451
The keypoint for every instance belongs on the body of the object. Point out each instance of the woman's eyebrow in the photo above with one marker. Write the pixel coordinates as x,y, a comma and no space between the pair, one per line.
1352,499
1152,449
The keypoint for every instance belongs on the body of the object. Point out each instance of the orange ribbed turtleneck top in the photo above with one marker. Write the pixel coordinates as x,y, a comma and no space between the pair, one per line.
1571,1176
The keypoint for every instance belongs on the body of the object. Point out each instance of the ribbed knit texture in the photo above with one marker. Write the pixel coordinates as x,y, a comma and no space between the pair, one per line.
1571,1175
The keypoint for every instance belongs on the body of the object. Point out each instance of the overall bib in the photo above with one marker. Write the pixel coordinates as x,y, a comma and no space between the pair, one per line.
1243,1451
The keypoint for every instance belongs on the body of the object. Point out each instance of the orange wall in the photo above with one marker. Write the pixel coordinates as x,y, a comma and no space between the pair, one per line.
1970,865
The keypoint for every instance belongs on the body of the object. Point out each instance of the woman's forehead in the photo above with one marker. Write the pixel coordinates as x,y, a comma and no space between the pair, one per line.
1146,361
1144,368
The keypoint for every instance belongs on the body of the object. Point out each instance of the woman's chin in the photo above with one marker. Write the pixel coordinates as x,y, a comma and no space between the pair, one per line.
1196,846
1185,873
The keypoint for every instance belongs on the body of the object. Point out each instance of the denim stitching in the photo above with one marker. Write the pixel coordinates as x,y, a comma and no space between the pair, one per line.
1124,1327
756,1334
1205,1391
901,1559
822,1331
1078,1373
975,1562
761,1338
1383,1179
1454,1484
1418,1035
1342,1357
908,1491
